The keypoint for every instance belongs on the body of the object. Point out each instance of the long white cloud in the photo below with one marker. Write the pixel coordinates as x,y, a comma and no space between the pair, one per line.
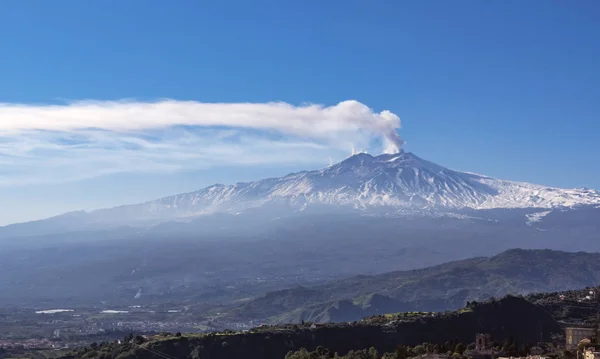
89,138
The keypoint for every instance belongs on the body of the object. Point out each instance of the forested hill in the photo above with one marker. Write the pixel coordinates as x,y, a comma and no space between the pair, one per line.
445,287
509,318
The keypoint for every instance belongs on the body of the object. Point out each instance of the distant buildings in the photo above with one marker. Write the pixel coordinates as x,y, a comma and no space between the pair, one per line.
483,347
484,350
482,342
593,294
527,357
536,351
575,335
591,354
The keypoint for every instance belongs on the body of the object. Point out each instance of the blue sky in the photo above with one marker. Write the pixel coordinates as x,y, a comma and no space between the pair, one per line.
508,88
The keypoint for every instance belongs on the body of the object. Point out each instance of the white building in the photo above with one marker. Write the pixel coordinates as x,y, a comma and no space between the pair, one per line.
591,354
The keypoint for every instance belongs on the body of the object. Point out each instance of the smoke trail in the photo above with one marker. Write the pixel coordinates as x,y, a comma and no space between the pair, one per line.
57,143
392,142
346,120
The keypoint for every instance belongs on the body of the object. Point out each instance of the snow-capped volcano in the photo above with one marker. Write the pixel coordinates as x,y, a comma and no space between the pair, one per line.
362,181
399,183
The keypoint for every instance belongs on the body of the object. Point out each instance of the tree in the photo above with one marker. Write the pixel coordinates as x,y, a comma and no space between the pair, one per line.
90,354
419,350
373,354
401,352
139,339
460,348
512,350
300,354
323,352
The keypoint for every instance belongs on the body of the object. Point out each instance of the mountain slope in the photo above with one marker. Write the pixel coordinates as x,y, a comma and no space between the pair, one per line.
362,181
399,183
447,286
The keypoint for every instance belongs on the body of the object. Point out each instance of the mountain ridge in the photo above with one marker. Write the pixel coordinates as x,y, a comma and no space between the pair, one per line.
437,288
350,181
398,184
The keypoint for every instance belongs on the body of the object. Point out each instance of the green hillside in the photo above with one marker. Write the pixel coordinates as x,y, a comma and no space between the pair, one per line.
445,287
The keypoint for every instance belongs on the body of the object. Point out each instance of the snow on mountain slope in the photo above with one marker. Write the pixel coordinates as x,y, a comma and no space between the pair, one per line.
399,181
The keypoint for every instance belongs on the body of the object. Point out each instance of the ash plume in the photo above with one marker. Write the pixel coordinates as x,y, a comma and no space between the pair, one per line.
393,142
72,141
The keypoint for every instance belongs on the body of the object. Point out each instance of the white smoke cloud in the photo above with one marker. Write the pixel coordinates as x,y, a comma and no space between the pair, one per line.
90,138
